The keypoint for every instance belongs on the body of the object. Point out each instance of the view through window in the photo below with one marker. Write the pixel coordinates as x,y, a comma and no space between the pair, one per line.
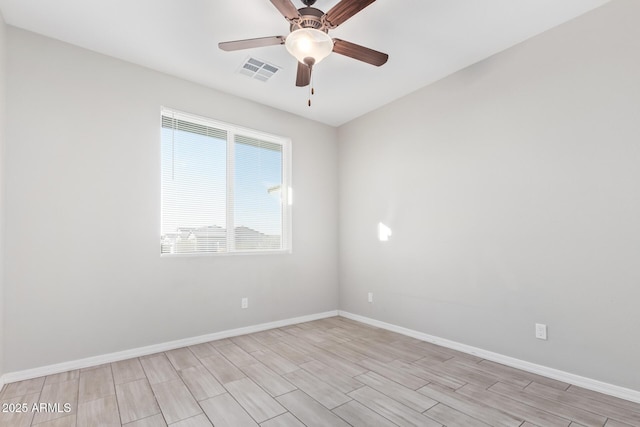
224,188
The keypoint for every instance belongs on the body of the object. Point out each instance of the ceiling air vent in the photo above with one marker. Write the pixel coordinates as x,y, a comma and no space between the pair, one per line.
258,69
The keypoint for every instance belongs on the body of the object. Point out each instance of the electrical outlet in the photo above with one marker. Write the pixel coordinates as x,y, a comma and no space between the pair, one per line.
244,303
370,297
541,331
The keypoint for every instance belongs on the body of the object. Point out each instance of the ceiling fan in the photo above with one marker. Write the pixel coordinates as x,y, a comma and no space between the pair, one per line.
309,41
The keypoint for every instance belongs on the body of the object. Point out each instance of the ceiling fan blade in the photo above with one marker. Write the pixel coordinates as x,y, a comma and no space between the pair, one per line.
303,77
286,8
345,10
249,43
360,53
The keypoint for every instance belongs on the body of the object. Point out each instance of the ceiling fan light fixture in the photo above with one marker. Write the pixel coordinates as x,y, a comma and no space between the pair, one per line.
309,43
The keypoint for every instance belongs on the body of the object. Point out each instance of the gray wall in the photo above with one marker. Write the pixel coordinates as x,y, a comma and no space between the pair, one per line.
3,44
83,271
512,191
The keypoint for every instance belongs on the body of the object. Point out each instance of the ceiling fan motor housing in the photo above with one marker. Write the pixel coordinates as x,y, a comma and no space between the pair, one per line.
310,17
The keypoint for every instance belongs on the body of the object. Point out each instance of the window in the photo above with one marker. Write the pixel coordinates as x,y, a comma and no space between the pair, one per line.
225,189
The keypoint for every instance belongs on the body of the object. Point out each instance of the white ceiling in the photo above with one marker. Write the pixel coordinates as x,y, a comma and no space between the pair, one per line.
426,40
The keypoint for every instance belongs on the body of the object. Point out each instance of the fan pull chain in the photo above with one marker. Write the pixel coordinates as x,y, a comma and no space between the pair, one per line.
312,91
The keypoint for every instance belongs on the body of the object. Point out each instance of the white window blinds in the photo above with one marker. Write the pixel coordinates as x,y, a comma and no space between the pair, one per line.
217,178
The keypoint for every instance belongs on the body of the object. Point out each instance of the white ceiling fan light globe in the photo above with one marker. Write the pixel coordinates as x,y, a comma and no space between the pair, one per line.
309,43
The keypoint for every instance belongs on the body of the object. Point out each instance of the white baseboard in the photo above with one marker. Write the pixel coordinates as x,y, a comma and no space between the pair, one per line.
156,348
588,383
567,377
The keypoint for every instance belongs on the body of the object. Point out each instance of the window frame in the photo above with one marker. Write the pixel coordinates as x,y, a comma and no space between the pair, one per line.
286,192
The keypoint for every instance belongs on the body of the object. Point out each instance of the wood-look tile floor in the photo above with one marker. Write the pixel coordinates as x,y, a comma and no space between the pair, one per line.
332,372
